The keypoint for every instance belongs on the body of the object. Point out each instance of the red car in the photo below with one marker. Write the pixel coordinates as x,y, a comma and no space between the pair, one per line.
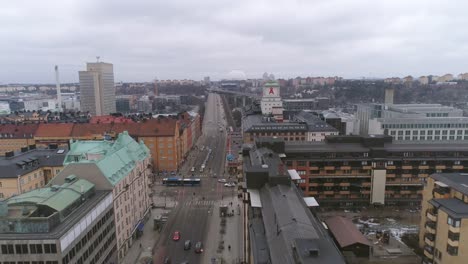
176,236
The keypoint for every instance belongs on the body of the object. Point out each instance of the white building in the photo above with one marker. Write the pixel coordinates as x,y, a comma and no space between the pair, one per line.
271,97
413,122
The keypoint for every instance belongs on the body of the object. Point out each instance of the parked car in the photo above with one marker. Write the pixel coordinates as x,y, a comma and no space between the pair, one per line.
176,236
187,244
199,247
229,184
222,180
192,169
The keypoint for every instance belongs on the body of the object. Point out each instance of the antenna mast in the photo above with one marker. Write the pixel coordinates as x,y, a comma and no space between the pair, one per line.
59,93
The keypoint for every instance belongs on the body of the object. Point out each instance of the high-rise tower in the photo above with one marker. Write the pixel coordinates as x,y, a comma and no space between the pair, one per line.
97,89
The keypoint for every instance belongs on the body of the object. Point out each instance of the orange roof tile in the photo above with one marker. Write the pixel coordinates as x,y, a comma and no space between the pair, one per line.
54,130
18,131
158,127
86,130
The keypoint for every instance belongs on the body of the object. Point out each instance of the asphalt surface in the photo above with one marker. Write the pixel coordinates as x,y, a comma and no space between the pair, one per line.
196,204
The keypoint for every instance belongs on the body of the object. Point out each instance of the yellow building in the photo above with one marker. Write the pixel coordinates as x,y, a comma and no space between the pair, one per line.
29,170
14,137
444,219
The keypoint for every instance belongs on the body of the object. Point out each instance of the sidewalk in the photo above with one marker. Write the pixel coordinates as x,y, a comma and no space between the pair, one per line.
148,240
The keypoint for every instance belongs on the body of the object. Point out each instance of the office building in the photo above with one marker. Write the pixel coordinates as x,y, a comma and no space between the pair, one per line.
413,122
97,89
121,167
68,223
302,127
279,225
297,105
353,171
29,169
444,219
345,123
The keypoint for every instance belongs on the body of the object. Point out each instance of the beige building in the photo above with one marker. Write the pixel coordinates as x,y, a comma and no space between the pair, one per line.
444,219
445,78
121,166
463,76
29,170
424,80
97,89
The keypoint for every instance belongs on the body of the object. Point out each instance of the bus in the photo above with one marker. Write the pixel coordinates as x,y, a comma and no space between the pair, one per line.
179,181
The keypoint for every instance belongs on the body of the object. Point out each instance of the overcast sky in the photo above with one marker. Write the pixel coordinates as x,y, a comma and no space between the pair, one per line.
176,39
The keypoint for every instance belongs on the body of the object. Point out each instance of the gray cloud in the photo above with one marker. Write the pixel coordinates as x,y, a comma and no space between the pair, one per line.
190,39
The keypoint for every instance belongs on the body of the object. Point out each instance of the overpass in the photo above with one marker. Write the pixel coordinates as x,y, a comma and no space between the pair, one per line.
240,94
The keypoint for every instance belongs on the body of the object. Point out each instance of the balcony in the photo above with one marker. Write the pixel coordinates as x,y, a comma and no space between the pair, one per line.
431,215
428,252
389,192
406,175
454,229
431,227
314,184
365,191
329,192
453,243
345,192
328,184
440,167
366,184
423,175
457,167
345,184
405,192
428,241
313,168
313,192
366,167
391,175
345,167
441,193
407,167
391,167
423,167
329,168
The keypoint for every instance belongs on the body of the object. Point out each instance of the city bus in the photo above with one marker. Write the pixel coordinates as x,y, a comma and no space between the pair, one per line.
179,181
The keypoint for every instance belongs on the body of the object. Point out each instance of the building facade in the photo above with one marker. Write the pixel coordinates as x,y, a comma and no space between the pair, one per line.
444,219
271,97
350,171
122,167
14,137
72,223
29,170
97,89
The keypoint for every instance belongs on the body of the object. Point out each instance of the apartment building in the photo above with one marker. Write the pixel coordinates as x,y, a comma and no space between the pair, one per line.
29,170
348,171
14,137
71,223
444,219
122,167
56,134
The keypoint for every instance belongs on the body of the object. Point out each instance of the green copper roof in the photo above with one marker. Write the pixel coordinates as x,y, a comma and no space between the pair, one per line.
115,159
56,197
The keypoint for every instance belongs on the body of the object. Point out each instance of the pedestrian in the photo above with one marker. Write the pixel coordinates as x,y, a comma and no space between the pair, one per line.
140,245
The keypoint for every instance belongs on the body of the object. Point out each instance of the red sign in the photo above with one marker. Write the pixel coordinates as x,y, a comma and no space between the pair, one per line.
271,91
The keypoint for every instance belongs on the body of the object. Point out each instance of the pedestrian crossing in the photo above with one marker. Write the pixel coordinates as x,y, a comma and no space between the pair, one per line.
200,203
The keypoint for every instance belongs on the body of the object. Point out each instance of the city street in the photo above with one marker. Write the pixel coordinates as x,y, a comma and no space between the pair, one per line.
198,206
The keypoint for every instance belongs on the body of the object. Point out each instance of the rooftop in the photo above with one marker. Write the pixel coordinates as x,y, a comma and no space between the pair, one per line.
18,131
345,232
26,162
457,181
63,130
115,159
453,207
48,212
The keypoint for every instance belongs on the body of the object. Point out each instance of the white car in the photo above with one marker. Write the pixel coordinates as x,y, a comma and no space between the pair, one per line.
229,184
192,169
222,180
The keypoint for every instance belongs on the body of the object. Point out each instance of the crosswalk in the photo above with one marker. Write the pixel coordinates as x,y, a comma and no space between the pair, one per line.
200,203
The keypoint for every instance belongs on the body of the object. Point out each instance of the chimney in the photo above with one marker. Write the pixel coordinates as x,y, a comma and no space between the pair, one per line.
389,91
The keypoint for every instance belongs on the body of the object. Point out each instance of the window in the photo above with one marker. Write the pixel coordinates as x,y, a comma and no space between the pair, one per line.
364,163
457,162
453,236
390,162
454,222
366,154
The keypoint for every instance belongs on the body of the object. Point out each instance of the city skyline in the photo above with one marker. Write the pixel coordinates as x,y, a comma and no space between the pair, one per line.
185,39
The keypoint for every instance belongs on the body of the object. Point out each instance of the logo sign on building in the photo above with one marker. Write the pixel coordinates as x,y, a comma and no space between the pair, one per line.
271,91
